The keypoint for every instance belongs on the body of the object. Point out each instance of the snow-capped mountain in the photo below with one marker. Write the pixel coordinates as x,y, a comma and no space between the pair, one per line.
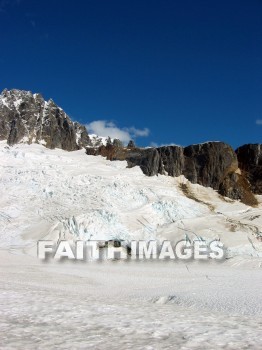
97,141
28,118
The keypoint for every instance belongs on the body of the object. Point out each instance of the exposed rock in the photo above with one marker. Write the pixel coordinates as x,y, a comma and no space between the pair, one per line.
172,160
250,162
97,141
236,186
117,143
211,164
148,159
109,141
131,144
28,118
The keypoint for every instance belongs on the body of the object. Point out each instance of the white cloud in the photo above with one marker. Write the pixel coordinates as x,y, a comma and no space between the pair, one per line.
259,121
106,128
138,132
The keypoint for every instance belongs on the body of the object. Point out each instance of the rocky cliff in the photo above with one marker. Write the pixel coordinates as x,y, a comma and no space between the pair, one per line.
27,117
250,162
211,164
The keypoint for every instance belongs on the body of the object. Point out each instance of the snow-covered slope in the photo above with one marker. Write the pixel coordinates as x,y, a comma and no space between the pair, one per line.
51,194
117,305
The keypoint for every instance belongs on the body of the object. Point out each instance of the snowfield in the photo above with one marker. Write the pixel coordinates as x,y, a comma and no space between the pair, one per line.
53,194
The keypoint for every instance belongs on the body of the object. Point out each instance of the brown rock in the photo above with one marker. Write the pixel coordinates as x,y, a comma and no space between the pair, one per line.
250,162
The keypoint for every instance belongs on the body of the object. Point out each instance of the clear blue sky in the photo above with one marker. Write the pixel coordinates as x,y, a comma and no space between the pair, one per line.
189,70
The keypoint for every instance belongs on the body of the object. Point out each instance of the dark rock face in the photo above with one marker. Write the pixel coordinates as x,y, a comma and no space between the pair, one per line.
172,160
212,164
148,159
208,164
250,162
27,117
236,186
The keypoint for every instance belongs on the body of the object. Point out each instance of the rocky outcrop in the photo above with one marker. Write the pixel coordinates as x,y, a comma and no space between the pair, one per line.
208,164
27,117
250,162
211,164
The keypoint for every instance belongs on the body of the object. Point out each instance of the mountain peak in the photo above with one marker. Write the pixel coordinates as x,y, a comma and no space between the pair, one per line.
15,93
26,117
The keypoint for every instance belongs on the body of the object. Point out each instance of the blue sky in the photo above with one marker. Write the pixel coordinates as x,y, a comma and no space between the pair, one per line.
162,71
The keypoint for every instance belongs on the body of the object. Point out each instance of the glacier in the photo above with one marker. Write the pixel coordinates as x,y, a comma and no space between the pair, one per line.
55,194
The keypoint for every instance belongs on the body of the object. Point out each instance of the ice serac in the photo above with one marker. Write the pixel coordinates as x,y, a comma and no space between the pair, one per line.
211,164
250,162
28,118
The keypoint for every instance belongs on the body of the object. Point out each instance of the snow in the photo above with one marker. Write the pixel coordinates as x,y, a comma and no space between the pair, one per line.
42,142
18,102
98,140
47,194
78,137
128,305
52,189
3,101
